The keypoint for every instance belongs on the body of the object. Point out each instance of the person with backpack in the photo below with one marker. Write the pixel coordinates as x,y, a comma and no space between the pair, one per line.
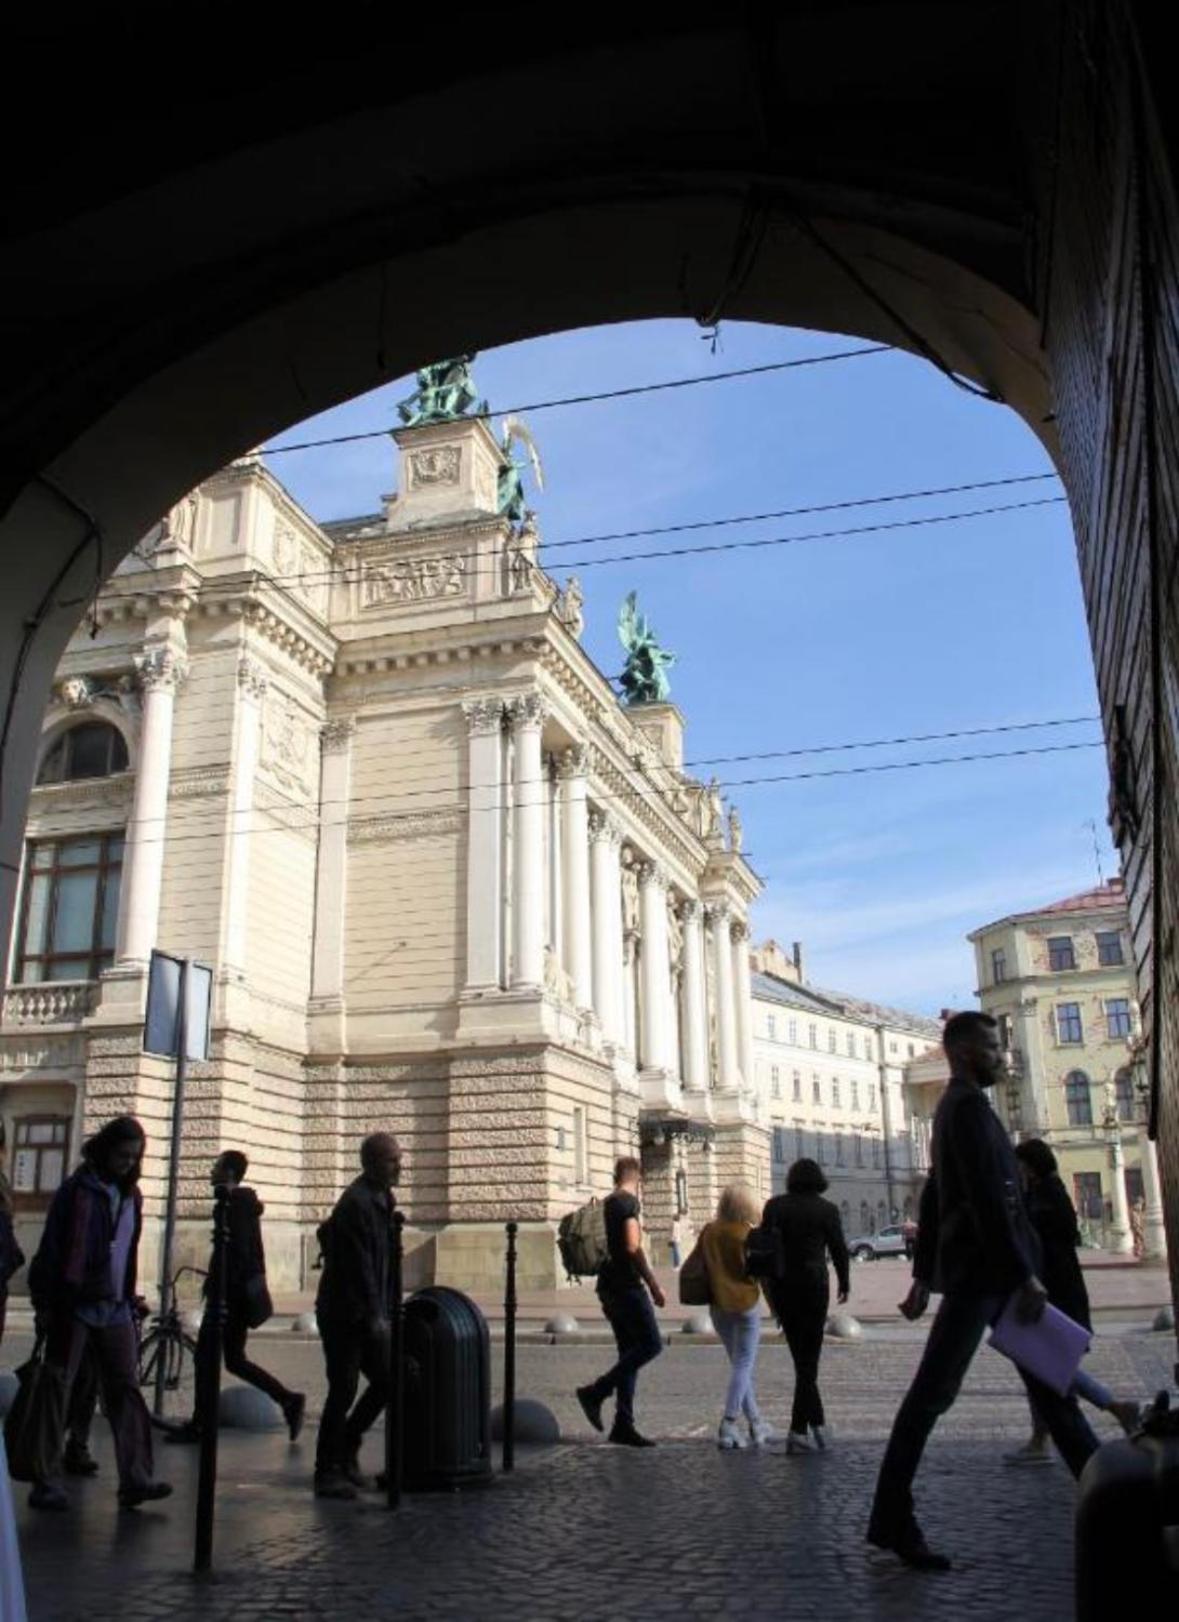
735,1308
626,1289
247,1300
352,1309
808,1230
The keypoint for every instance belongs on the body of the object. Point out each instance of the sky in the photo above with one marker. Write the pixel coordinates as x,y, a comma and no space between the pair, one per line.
937,628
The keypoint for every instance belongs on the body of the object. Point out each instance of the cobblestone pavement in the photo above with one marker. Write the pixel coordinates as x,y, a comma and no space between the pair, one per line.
587,1531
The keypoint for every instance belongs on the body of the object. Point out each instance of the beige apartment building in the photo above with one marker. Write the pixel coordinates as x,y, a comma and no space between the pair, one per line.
1060,982
448,884
830,1073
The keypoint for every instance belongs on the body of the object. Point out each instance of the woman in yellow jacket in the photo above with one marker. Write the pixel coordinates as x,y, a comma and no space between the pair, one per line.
736,1311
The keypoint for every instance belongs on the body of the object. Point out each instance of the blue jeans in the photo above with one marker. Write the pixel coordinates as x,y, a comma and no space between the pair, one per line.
632,1318
740,1332
954,1337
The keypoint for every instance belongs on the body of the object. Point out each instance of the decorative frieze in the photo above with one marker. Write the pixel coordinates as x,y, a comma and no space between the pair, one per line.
435,465
413,580
404,825
286,742
50,1053
252,677
197,781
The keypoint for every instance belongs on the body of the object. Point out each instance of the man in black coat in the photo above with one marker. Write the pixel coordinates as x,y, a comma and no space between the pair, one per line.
247,1300
352,1309
975,1244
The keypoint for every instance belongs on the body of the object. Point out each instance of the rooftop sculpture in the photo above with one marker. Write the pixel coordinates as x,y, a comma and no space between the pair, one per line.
644,679
444,393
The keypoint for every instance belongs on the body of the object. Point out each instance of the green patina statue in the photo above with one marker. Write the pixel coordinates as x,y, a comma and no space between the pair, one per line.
445,392
643,679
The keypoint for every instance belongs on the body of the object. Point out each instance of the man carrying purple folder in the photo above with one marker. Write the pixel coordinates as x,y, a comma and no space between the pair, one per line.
976,1245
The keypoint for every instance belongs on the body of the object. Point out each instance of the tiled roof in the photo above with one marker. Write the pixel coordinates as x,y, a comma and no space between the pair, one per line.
1109,897
816,1000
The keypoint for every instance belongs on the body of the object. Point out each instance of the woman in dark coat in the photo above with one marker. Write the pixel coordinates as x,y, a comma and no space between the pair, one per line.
810,1230
1055,1221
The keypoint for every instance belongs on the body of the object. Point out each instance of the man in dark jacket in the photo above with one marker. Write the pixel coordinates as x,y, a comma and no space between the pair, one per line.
82,1282
352,1309
975,1244
247,1299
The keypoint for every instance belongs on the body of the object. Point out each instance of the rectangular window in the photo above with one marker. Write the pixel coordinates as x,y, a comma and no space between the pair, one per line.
775,1082
816,1091
1068,1022
813,1032
855,1095
821,1147
771,1026
832,1040
1060,952
867,1047
1124,1091
792,1031
1004,1021
40,1155
876,1154
851,1044
892,1047
912,1051
1087,1195
839,1148
799,1141
1117,1017
998,966
797,1086
835,1092
70,905
779,1145
858,1145
580,1148
1109,948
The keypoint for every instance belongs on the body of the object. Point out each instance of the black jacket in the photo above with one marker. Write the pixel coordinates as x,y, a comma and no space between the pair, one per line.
1055,1221
973,1234
811,1228
245,1257
355,1239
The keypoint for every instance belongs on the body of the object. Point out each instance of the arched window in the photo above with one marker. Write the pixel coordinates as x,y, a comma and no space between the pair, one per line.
93,749
1078,1098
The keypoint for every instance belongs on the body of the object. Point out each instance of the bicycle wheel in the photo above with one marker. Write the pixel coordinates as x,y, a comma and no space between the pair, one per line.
176,1352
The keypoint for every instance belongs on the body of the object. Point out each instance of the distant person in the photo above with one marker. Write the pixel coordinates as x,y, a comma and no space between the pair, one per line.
82,1283
736,1312
352,1309
626,1289
909,1238
1138,1227
11,1256
811,1231
247,1300
976,1244
1055,1220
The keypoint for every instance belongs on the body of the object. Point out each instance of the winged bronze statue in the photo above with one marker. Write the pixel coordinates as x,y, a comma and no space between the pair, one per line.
644,679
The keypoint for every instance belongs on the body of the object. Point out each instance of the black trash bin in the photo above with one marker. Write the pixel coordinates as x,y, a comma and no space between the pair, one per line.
1127,1526
447,1391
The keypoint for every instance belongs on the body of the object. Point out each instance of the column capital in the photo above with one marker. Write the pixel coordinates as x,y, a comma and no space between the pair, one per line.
160,668
574,761
717,913
526,710
252,677
484,715
336,734
691,910
653,873
739,929
603,828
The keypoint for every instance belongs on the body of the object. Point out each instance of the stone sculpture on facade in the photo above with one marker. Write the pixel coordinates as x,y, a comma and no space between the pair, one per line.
569,606
445,392
644,679
510,499
736,831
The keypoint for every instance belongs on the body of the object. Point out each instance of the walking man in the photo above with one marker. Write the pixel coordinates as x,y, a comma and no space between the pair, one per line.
976,1244
352,1309
247,1300
626,1288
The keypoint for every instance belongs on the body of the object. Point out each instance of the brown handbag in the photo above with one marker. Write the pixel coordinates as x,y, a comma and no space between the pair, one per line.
695,1287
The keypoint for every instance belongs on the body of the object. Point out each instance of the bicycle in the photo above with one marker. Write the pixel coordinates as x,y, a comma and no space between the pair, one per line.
168,1347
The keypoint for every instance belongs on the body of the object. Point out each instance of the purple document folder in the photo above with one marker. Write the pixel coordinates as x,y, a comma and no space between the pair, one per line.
1051,1348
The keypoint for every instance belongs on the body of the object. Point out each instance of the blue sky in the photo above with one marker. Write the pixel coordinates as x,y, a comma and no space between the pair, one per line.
951,626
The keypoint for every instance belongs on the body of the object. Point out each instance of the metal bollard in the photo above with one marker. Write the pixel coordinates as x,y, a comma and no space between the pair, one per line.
509,1443
208,1375
395,1406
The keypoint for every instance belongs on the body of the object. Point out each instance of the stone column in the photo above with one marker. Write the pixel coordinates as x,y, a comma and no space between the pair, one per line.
743,998
695,1000
719,919
331,867
608,948
656,984
1154,1232
577,947
485,819
526,714
161,670
1120,1237
252,682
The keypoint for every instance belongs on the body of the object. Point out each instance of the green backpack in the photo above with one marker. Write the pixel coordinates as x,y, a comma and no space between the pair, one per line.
581,1239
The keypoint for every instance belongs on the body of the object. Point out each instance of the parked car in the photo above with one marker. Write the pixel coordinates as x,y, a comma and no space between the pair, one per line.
890,1241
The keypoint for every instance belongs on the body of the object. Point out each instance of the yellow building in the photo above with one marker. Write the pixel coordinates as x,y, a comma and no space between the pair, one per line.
1060,981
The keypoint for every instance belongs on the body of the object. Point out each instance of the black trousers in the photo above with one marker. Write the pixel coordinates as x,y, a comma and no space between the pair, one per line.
233,1348
801,1308
349,1350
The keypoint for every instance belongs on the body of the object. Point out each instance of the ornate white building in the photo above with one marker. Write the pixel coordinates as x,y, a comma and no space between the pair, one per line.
448,884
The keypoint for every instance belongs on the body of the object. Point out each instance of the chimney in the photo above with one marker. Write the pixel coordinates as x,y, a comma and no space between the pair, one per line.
798,961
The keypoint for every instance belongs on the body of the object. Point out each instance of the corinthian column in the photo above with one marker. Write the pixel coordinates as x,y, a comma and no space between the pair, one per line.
526,714
695,1001
743,997
486,811
160,670
252,682
608,949
575,868
331,870
719,919
656,986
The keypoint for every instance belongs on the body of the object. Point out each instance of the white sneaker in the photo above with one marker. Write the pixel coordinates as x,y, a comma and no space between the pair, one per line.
760,1432
1030,1453
799,1442
728,1436
822,1439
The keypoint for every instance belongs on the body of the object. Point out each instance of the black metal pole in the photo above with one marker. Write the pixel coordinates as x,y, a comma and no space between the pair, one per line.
509,1443
208,1373
173,1177
395,1407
